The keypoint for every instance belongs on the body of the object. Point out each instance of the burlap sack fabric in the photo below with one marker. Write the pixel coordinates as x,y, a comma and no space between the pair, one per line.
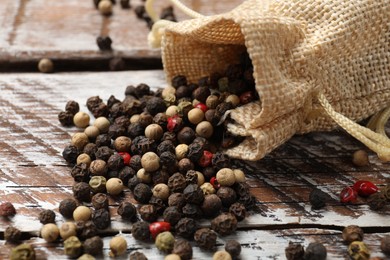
303,52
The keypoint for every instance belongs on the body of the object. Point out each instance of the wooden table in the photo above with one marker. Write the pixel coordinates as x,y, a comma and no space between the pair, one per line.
34,176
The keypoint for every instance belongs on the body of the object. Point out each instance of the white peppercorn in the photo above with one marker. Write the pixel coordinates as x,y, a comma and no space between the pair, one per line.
207,188
222,255
134,118
144,176
181,151
360,158
172,110
168,91
83,158
172,257
201,179
234,99
102,123
204,129
239,175
122,144
114,186
161,191
118,246
105,7
82,213
98,167
45,65
50,232
195,115
226,177
150,162
68,229
79,140
154,132
81,119
92,131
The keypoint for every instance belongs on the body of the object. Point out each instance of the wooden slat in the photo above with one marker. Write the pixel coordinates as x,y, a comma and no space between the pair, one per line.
34,176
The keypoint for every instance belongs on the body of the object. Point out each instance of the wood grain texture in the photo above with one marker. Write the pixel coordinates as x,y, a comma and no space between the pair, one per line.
34,176
67,31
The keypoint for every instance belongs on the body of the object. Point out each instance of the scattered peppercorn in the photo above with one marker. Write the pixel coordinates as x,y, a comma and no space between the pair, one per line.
67,230
165,241
104,43
101,218
315,251
67,206
357,250
50,232
23,251
221,255
140,231
182,248
118,246
205,238
12,234
352,233
73,247
45,65
7,209
233,247
137,255
385,245
127,210
317,199
360,158
294,251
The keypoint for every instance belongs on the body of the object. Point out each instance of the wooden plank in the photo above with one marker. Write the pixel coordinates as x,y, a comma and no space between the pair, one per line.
34,176
67,30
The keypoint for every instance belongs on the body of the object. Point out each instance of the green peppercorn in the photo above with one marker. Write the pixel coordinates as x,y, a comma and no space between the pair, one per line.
165,241
97,184
357,250
73,247
23,251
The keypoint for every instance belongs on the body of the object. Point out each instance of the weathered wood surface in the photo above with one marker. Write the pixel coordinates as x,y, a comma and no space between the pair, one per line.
67,31
33,175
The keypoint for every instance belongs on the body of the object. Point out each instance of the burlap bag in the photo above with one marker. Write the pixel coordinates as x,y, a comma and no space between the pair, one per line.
311,58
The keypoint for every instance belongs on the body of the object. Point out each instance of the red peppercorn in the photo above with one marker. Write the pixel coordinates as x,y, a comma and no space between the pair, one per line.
348,194
126,157
365,188
202,107
172,122
156,228
206,159
215,183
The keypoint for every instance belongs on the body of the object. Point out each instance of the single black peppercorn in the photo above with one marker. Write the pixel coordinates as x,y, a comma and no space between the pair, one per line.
201,94
12,234
155,105
211,205
172,215
315,251
72,107
127,210
101,218
179,80
82,191
183,249
165,146
135,162
148,212
140,231
195,151
224,224
93,246
177,199
220,160
100,201
185,165
161,176
136,255
205,238
227,195
233,247
167,158
177,182
66,118
93,102
158,203
115,162
238,210
47,216
161,119
193,194
80,173
67,206
86,229
294,251
133,182
192,210
317,199
191,176
116,130
186,227
104,43
142,193
126,173
70,154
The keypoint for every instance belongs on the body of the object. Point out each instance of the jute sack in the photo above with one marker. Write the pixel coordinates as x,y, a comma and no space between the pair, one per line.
311,58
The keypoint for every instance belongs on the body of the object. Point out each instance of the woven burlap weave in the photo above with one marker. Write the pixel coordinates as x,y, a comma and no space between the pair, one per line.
298,49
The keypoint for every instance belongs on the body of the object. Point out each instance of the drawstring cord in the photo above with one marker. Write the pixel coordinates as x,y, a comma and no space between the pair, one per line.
155,35
376,141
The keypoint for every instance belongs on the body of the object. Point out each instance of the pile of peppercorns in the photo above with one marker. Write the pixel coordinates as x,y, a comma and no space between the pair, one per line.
164,147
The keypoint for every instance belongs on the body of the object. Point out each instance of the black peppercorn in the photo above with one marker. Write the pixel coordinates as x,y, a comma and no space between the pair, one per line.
158,203
155,105
352,233
167,158
82,191
140,231
12,234
103,153
135,162
116,130
193,194
100,201
185,165
90,149
294,251
211,205
205,238
47,216
186,227
133,182
80,173
136,255
115,162
385,245
165,146
179,80
227,195
224,224
148,213
161,176
127,210
195,151
191,176
161,119
233,247
177,182
220,111
220,160
238,210
201,94
315,251
70,154
101,218
177,199
191,210
142,193
72,107
172,215
142,90
67,206
93,246
183,249
66,118
317,199
104,43
86,229
126,173
171,136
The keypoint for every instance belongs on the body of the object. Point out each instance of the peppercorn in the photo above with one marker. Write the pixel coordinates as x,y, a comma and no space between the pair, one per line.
172,257
175,123
155,105
118,246
125,4
360,158
86,229
67,206
104,43
185,165
377,201
182,248
385,245
81,119
167,158
226,177
211,205
114,186
122,144
294,251
90,149
126,210
100,201
144,176
150,161
50,232
102,123
101,218
357,250
195,151
352,233
45,65
140,231
73,247
207,188
105,7
82,213
86,257
204,129
172,215
205,238
12,234
85,159
70,154
191,175
221,255
65,118
98,167
22,251
165,241
186,227
115,162
227,195
67,230
191,210
201,93
315,251
317,199
233,248
186,135
156,228
177,182
133,182
179,80
97,184
238,210
47,216
176,199
136,255
224,224
82,191
193,194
